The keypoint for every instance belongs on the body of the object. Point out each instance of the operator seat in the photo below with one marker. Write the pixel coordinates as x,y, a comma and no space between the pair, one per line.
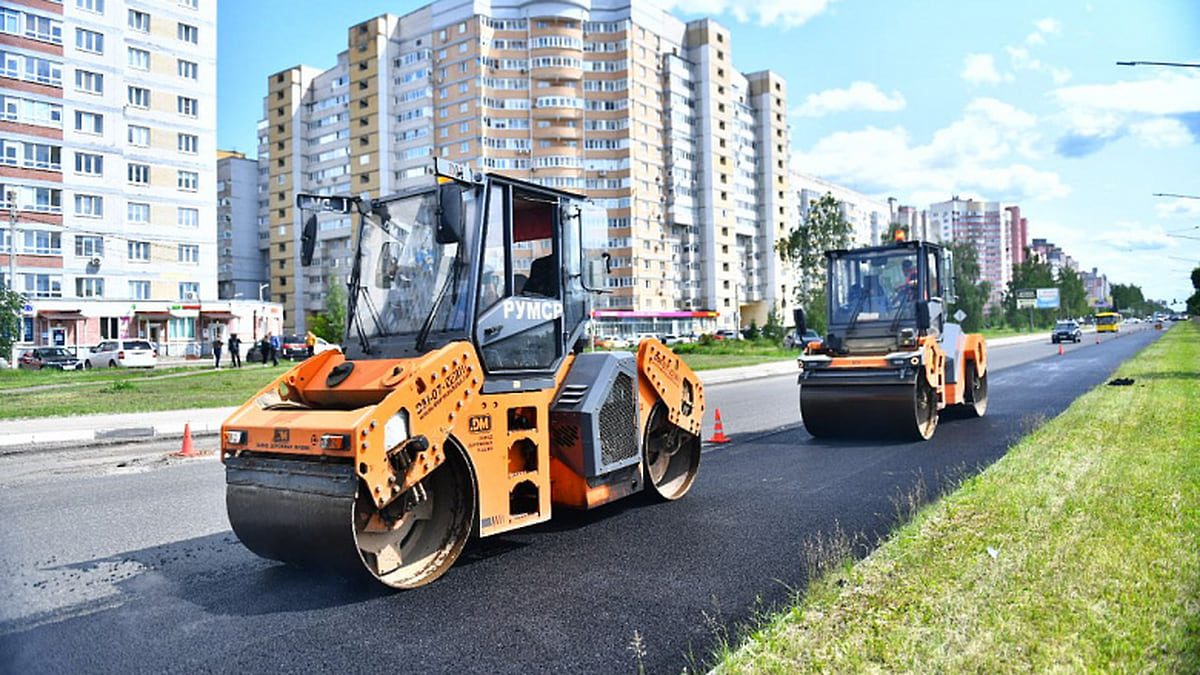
543,278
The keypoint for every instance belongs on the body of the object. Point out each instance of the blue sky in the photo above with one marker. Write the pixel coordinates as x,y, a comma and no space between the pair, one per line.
1017,101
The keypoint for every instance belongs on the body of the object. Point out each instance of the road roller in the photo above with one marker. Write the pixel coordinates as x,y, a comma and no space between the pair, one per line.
463,403
891,361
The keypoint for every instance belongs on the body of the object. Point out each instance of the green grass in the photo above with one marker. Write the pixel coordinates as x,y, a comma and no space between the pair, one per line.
127,390
13,378
1079,551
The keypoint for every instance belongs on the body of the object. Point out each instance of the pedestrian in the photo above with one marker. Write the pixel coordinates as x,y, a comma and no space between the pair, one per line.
216,345
264,348
235,350
310,341
274,348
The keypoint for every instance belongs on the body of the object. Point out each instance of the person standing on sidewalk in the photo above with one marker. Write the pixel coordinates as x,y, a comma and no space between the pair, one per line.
216,345
275,345
310,341
264,348
235,350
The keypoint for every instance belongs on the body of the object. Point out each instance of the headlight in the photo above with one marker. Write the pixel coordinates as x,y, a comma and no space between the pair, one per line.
235,437
395,431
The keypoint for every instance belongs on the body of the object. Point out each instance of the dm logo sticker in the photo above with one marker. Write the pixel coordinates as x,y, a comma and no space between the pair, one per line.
282,436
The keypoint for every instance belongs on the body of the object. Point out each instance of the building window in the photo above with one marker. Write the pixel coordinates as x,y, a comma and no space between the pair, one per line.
189,290
139,290
43,242
89,287
89,205
139,251
189,253
89,41
139,21
137,212
139,58
188,33
188,143
182,329
139,97
190,4
188,180
87,81
187,106
189,69
89,123
43,285
96,6
188,217
89,247
139,136
139,174
109,326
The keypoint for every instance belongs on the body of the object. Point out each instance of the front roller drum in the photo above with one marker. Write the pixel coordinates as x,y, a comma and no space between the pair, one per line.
317,515
904,410
671,455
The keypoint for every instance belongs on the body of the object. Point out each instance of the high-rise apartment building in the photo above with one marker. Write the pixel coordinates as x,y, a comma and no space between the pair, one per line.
868,217
241,264
1019,229
107,166
616,99
988,227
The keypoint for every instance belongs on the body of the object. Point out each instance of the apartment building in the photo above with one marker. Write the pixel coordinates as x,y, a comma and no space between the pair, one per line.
989,228
868,217
107,168
241,259
616,99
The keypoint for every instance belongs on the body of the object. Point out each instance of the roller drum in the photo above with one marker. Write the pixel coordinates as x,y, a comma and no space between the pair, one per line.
877,410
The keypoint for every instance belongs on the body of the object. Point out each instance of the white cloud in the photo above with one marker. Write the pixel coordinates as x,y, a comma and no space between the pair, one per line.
785,13
981,69
1166,94
982,153
1186,209
1060,76
1126,236
1162,132
1048,25
858,96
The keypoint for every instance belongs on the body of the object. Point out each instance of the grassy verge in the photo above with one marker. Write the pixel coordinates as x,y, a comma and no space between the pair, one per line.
14,378
140,391
1079,551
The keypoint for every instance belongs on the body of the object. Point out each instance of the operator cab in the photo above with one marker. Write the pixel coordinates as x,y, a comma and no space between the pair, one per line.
880,299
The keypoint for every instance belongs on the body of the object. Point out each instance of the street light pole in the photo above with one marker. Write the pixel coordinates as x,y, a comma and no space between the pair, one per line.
1172,64
12,240
261,288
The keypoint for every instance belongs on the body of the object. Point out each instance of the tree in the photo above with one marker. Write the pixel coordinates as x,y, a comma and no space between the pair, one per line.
1072,297
1128,298
971,293
826,228
1193,303
773,328
10,319
1032,273
331,322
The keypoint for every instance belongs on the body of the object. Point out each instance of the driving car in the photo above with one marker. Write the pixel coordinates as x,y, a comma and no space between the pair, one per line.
791,342
122,354
1066,330
48,357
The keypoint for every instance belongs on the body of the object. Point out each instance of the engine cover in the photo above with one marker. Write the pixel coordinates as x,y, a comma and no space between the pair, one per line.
594,417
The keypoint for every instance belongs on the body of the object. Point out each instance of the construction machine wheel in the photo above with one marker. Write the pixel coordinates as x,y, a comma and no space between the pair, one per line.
975,397
317,515
900,410
671,455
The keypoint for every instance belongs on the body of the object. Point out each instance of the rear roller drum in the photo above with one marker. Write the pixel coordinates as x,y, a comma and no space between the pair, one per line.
975,398
671,455
901,410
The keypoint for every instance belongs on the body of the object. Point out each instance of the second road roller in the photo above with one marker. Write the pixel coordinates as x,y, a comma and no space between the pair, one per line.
892,359
463,404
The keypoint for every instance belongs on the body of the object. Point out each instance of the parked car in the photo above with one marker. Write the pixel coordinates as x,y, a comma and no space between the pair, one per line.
726,334
1066,330
293,347
48,357
122,353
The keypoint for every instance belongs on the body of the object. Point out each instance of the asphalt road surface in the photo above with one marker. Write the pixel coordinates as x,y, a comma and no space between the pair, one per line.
124,562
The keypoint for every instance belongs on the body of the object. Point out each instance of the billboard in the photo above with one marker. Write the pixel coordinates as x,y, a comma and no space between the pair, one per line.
1047,298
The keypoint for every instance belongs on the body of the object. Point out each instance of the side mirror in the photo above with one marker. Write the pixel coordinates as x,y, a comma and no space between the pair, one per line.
308,240
801,325
385,269
450,214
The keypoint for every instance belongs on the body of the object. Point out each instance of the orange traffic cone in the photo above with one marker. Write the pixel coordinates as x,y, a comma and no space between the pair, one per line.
187,450
719,431
1060,349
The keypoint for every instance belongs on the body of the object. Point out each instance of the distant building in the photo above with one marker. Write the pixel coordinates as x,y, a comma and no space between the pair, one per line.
1099,294
868,216
1019,230
616,99
986,226
241,259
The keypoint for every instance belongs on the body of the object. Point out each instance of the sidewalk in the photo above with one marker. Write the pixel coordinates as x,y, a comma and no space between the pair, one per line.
85,430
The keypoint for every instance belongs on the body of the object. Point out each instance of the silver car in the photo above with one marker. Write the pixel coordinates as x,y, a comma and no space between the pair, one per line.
122,353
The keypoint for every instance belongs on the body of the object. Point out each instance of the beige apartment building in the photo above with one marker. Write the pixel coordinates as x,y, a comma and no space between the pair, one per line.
616,99
107,168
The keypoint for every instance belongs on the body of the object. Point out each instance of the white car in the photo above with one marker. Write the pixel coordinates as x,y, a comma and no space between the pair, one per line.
122,353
